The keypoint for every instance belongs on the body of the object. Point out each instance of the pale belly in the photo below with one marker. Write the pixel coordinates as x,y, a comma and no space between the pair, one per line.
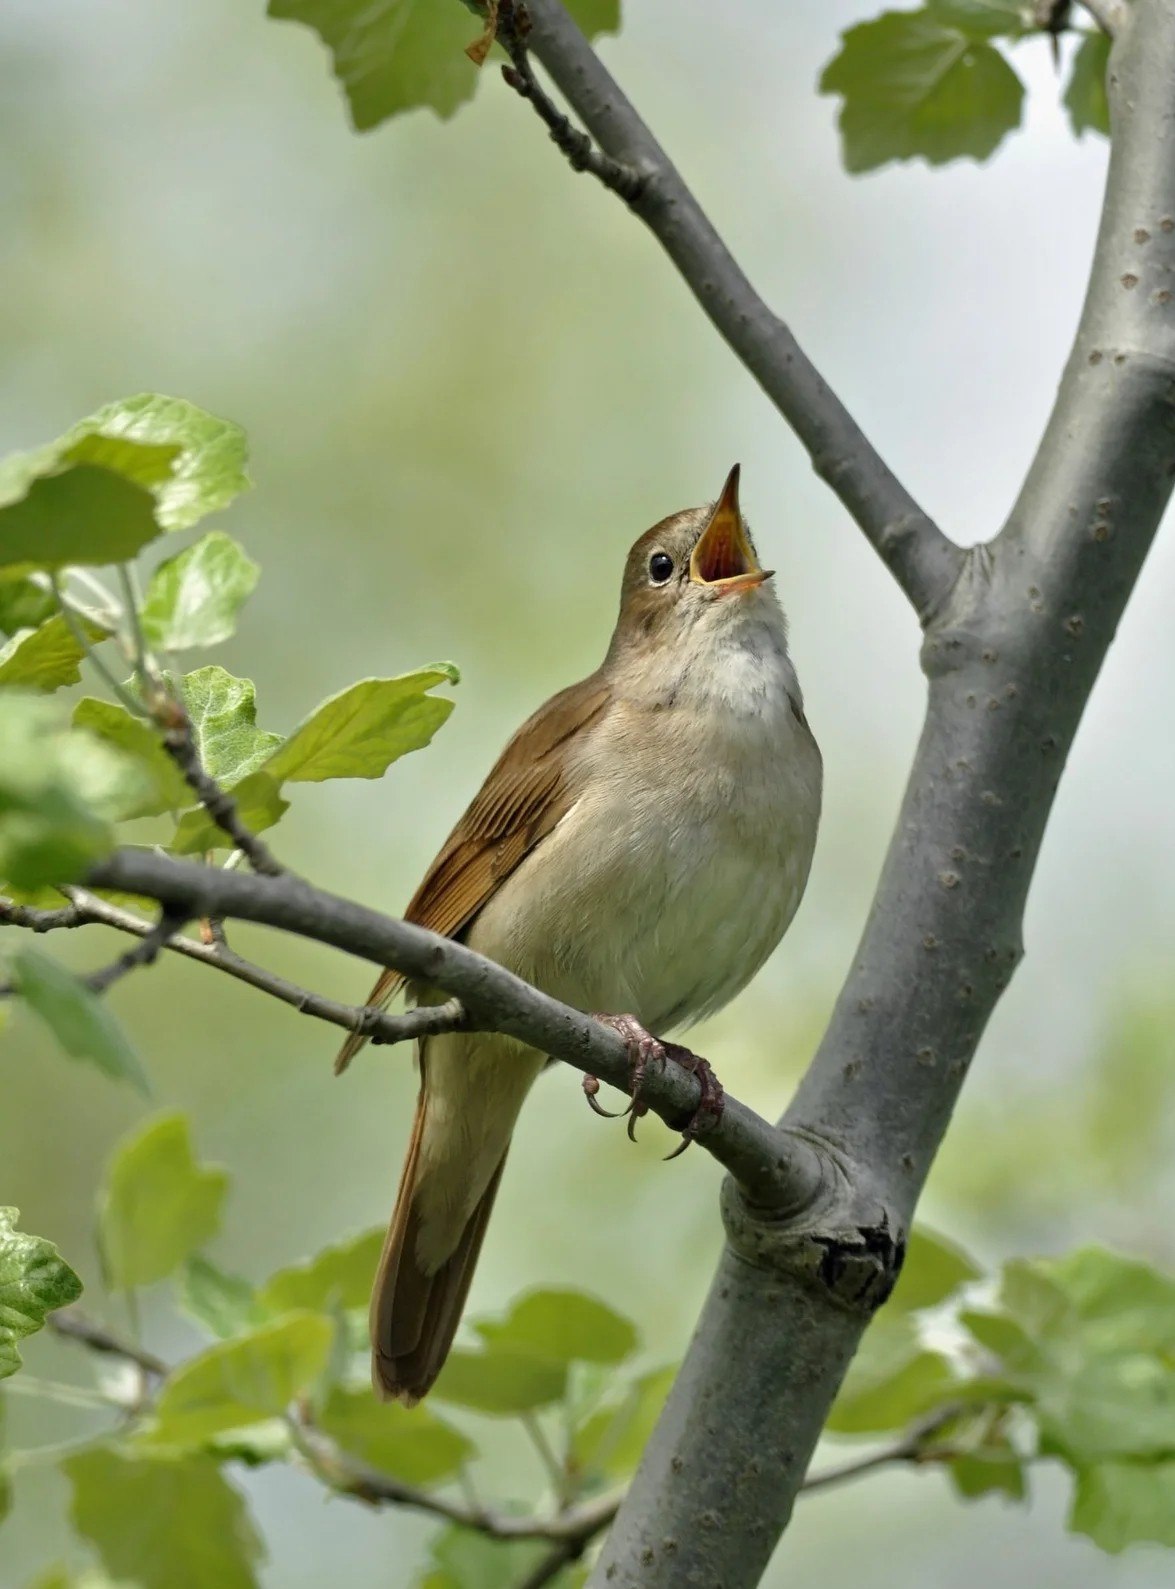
662,892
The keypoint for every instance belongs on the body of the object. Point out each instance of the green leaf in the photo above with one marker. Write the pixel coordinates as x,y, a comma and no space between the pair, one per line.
56,789
985,19
46,658
337,1277
224,1304
163,786
34,1281
913,86
193,598
23,603
462,1559
80,1021
157,1205
362,730
223,713
259,805
393,56
933,1270
892,1380
414,1446
247,1380
256,1446
563,1326
1120,1503
163,1522
610,1443
980,1473
499,1382
1085,97
115,481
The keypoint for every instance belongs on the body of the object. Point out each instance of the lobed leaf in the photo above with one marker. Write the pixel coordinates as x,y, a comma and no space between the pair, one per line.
157,1205
1086,99
462,1559
163,787
893,1380
1123,1503
562,1326
362,730
247,1380
23,603
224,1304
933,1270
162,1521
223,713
193,598
259,804
500,1382
414,1446
81,1022
915,86
45,658
34,1281
338,1277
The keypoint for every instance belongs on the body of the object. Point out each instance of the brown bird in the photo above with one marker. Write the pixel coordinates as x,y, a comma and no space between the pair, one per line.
641,844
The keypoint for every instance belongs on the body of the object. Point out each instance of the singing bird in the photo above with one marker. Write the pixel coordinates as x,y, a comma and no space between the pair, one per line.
641,845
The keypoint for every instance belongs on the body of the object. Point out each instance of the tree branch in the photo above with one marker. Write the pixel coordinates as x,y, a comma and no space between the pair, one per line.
75,1326
777,1170
87,910
923,560
1011,659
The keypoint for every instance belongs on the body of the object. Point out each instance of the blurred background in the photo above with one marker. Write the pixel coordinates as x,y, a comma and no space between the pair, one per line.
470,380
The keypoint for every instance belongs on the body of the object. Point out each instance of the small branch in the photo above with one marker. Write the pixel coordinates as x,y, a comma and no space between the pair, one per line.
144,953
922,559
75,1326
172,718
778,1170
914,1446
581,153
87,910
133,705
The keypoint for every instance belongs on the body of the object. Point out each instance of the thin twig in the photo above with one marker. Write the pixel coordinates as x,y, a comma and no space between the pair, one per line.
924,561
75,1326
144,953
87,910
913,1446
119,691
172,718
581,153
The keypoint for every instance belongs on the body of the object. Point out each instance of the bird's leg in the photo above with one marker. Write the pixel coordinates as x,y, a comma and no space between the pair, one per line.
643,1050
710,1103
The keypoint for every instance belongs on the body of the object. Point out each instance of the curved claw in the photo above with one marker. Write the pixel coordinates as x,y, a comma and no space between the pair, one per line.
591,1086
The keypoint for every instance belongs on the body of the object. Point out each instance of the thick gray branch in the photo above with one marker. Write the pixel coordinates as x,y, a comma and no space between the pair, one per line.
774,1167
1011,660
923,561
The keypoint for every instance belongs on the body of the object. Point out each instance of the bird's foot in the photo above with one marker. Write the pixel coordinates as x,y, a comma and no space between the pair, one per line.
644,1050
710,1103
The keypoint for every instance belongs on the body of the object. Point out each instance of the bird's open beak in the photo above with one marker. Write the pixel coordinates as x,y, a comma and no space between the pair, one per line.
724,558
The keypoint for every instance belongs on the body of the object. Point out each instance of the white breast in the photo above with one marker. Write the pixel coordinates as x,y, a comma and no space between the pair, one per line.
683,862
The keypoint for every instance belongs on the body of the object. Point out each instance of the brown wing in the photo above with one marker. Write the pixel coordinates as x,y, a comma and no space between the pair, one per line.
525,795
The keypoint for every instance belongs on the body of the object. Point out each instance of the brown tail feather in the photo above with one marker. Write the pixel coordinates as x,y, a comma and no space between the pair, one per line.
414,1315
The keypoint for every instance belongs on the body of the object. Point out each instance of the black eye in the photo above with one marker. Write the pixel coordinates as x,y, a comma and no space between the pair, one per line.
660,567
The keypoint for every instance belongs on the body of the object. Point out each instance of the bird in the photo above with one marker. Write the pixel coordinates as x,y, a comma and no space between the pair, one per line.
640,846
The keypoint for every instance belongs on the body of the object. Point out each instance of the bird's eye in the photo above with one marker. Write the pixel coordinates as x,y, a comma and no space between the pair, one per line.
660,567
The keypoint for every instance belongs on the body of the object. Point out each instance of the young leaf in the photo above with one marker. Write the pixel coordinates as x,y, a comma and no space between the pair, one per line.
46,658
986,19
416,1447
1122,1503
892,1380
193,598
163,786
612,1440
1085,97
157,1205
259,805
462,1559
55,789
80,1021
244,1381
115,481
934,1268
499,1382
362,730
563,1326
163,1522
224,1304
34,1281
915,86
223,711
337,1277
23,603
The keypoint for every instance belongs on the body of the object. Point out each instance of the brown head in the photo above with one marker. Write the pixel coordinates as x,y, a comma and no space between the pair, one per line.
693,579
